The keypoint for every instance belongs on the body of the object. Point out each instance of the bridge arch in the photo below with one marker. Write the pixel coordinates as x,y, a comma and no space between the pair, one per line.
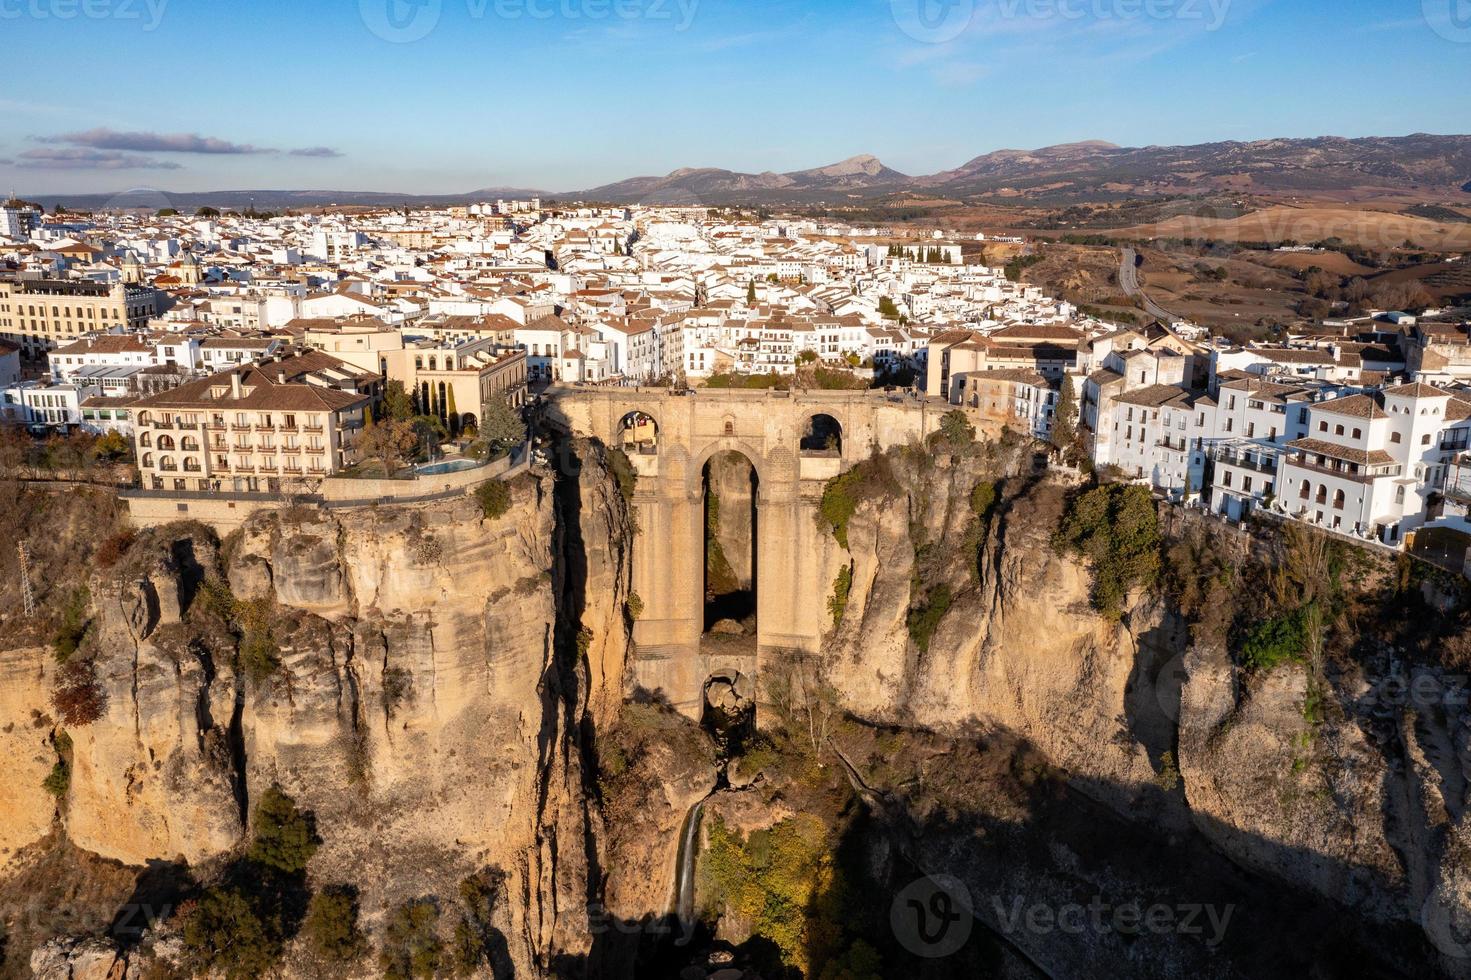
694,472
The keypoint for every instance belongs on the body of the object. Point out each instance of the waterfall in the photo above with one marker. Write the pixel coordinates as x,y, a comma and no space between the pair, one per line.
684,868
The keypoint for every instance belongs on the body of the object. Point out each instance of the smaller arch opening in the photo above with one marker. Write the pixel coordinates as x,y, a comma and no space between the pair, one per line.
823,436
638,433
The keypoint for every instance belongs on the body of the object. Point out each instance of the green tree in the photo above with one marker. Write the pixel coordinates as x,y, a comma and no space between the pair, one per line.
956,429
453,416
887,309
501,427
167,212
285,837
494,497
396,402
751,293
1065,418
226,933
429,433
807,356
207,213
331,925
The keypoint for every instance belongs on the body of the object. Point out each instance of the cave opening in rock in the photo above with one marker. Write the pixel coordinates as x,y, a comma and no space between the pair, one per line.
730,484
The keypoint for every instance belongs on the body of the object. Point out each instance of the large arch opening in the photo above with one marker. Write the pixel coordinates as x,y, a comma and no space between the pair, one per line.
730,492
823,436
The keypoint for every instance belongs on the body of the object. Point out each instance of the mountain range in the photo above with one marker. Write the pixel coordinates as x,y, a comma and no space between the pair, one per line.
1073,172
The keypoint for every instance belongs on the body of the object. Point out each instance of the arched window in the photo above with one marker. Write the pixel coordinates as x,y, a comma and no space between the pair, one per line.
167,463
1338,500
189,444
638,430
165,442
823,435
1307,490
191,464
1322,497
146,439
147,460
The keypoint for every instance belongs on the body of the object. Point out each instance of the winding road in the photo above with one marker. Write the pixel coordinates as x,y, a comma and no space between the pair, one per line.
1129,282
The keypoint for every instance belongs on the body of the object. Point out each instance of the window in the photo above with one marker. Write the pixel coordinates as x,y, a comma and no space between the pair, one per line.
1338,430
1394,437
1425,439
1358,434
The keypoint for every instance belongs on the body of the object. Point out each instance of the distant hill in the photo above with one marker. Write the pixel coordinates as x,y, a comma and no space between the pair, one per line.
1073,172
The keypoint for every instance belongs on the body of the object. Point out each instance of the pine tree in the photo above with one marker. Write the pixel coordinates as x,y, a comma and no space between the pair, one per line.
751,293
454,416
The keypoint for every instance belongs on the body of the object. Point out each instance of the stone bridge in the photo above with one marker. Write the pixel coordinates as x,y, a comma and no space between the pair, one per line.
794,442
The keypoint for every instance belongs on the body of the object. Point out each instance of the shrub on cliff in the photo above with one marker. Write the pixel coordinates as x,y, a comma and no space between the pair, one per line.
837,603
239,926
494,497
411,945
285,837
843,493
77,696
925,618
1117,528
226,933
331,926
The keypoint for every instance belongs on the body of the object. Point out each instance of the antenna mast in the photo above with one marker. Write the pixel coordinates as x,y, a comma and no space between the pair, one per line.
28,598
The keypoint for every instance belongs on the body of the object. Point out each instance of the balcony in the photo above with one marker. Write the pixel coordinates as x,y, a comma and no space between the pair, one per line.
316,450
1343,471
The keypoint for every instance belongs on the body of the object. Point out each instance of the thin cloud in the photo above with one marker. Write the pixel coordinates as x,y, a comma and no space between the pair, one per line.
145,142
324,152
83,158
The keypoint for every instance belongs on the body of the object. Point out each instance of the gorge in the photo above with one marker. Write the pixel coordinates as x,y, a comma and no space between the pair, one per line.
1024,694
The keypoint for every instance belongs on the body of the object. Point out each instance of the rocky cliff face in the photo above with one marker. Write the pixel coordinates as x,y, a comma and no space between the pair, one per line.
445,694
421,679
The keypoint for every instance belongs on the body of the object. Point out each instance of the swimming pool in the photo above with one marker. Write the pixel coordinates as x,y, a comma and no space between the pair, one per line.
448,466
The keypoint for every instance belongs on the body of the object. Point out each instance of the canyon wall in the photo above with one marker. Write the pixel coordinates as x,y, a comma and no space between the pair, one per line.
434,675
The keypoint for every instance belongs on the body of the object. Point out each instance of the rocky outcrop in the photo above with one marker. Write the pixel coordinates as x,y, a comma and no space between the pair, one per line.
1019,647
25,744
423,681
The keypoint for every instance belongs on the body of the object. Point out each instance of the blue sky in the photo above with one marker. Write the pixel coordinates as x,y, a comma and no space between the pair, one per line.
566,94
